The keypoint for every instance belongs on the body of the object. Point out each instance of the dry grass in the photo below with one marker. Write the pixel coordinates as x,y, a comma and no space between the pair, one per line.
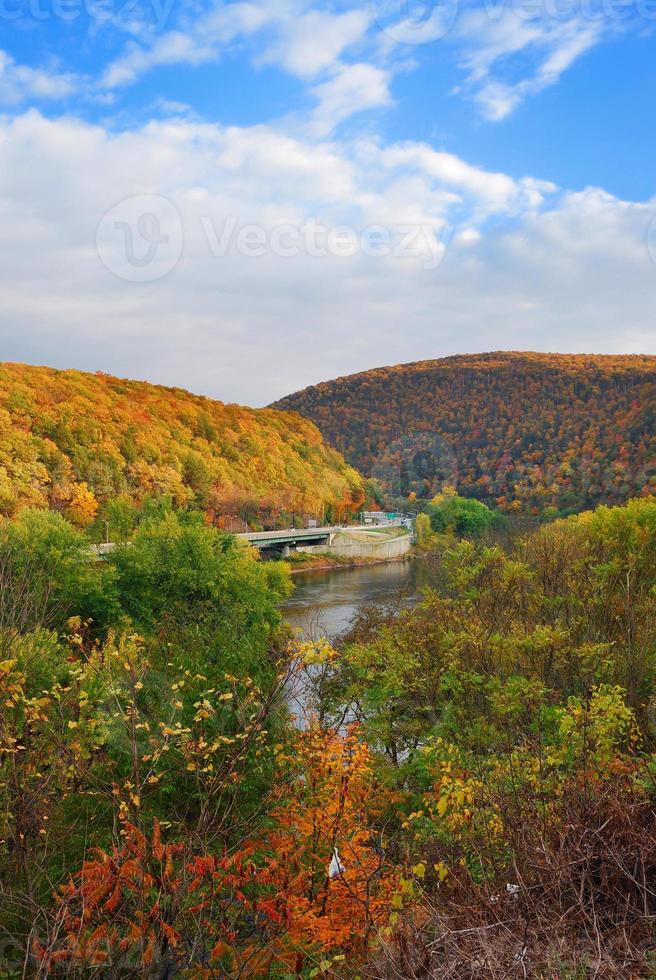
584,905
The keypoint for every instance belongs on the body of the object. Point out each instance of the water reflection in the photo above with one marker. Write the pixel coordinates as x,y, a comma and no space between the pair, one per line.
325,602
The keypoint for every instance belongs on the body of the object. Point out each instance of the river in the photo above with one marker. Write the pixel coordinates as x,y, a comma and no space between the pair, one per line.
325,602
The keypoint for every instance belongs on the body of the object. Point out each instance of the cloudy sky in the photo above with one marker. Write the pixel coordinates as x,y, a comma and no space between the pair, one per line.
246,198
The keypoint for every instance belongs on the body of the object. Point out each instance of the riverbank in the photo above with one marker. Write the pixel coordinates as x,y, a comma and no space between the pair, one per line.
322,563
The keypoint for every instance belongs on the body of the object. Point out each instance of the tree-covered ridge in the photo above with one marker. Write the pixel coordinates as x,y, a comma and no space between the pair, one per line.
526,431
73,441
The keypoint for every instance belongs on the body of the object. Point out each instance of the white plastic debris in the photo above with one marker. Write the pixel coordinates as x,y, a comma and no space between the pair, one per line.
513,890
336,867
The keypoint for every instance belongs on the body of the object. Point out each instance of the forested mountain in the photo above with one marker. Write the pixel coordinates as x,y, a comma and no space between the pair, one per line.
525,431
74,441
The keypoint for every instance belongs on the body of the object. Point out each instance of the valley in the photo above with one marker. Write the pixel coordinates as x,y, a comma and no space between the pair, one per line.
229,761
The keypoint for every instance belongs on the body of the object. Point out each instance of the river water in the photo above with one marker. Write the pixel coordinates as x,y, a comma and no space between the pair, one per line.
325,602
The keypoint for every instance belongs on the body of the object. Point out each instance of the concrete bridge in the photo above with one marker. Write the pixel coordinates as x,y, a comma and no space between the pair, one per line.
381,543
284,540
371,541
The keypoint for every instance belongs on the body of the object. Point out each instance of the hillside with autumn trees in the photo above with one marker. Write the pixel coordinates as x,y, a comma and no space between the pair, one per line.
78,442
458,786
536,433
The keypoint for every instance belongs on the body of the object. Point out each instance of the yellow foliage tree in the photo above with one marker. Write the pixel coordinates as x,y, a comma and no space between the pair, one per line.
83,506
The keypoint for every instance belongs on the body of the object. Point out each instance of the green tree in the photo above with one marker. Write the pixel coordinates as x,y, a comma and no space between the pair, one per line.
60,561
423,531
121,516
209,612
464,517
208,593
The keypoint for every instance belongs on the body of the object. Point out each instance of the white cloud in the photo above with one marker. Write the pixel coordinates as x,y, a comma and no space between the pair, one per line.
227,21
553,271
202,41
491,192
544,47
352,89
20,83
341,54
310,43
172,48
508,52
171,107
302,42
305,43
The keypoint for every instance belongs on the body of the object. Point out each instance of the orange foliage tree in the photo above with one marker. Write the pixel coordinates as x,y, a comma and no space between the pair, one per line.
312,891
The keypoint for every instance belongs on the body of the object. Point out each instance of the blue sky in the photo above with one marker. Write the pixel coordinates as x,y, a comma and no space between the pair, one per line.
499,156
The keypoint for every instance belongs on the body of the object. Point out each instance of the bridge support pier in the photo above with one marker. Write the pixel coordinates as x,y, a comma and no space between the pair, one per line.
285,551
